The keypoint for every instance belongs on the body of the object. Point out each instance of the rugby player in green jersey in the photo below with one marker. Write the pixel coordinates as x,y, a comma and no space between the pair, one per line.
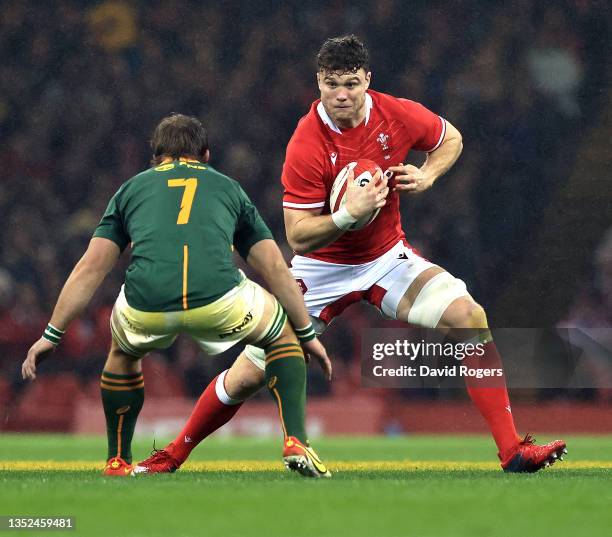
182,220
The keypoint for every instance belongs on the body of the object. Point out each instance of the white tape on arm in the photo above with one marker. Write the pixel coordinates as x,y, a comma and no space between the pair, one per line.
343,219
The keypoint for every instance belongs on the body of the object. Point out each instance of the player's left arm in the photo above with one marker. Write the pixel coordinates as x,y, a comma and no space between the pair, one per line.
410,179
86,277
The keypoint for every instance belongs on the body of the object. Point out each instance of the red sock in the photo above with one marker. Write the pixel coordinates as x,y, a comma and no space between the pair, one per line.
490,396
213,409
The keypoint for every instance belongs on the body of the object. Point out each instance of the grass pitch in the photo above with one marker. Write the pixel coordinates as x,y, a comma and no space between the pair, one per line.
382,487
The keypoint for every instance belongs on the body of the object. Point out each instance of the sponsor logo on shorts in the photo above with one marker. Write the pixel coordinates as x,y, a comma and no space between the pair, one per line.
131,326
247,319
123,409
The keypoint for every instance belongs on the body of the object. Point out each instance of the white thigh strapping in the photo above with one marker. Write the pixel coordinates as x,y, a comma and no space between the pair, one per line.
433,299
399,278
256,356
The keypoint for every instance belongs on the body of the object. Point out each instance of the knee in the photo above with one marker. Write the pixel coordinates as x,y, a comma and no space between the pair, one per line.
122,363
252,378
244,387
467,314
241,381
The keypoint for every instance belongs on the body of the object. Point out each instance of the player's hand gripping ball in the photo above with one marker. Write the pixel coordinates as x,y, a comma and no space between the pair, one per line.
364,171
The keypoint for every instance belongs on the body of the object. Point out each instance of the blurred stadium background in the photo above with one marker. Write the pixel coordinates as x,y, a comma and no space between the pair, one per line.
525,217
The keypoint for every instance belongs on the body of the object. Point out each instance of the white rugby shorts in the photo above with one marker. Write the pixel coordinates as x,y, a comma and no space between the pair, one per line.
329,288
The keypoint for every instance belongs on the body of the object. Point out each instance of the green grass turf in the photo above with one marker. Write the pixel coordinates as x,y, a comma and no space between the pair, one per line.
451,447
558,502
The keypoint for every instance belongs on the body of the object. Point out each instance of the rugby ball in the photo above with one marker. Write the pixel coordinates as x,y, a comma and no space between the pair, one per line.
364,170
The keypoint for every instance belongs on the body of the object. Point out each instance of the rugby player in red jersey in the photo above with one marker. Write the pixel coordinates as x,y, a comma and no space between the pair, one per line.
336,268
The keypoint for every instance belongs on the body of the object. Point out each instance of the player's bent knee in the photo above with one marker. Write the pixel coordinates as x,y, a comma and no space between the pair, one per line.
434,299
477,316
465,313
120,362
243,379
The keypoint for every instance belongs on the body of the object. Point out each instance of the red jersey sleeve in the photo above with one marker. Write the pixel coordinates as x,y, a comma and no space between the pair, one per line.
427,129
302,177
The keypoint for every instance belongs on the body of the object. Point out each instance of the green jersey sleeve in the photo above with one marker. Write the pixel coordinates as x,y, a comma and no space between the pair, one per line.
250,228
111,226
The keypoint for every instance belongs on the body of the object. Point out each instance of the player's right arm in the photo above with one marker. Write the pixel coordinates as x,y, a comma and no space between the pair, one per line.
308,231
305,195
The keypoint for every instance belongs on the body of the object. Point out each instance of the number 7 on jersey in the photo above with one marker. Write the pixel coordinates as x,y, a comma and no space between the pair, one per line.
190,186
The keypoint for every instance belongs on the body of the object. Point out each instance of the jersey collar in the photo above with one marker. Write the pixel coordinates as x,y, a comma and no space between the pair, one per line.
328,121
180,159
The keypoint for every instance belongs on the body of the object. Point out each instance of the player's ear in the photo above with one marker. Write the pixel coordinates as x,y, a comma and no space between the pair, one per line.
320,80
368,77
206,156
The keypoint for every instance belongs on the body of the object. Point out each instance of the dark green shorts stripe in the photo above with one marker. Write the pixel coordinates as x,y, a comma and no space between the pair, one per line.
278,315
275,331
124,347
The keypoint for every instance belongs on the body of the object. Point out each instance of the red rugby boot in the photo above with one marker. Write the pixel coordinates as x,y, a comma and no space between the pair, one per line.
160,462
529,457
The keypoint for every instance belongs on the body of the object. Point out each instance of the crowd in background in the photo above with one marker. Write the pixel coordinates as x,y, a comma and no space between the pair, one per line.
83,84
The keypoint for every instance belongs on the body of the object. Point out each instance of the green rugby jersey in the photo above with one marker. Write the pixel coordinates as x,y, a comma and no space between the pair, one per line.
181,219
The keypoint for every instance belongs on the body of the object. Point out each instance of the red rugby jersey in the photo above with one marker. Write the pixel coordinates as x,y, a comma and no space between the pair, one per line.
318,150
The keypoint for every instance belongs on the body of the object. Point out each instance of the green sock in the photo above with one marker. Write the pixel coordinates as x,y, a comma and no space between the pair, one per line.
122,398
286,380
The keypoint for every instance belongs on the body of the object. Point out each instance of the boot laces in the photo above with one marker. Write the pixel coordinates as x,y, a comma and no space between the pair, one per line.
529,440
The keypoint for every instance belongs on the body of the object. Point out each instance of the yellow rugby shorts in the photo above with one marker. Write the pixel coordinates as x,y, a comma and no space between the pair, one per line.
216,327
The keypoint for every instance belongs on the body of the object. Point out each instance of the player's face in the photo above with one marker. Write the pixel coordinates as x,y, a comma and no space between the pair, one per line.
343,95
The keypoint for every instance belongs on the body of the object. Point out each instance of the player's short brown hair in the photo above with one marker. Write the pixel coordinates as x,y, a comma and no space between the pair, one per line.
179,136
345,54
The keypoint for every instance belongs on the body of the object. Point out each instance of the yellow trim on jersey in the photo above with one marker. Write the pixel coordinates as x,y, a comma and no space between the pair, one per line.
185,271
